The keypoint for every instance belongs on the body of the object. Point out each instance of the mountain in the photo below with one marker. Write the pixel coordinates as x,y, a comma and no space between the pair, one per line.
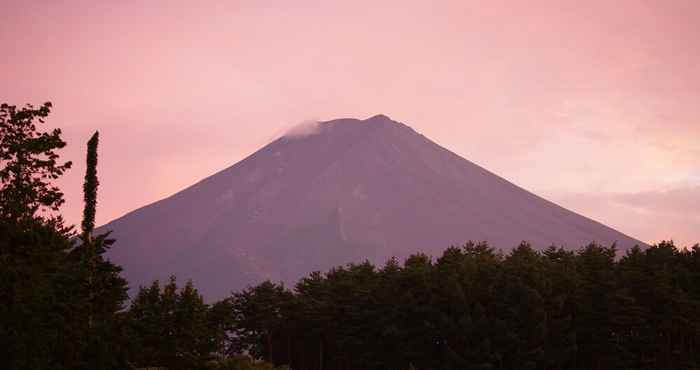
341,191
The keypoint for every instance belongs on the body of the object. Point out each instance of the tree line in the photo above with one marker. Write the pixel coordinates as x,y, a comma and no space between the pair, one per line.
475,308
63,305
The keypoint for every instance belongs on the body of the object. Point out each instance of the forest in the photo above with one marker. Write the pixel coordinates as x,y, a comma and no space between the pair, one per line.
63,305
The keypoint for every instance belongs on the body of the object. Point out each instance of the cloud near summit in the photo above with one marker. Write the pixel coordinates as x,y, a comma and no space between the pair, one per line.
303,129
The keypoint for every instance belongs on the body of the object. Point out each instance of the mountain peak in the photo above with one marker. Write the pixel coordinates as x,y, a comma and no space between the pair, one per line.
379,118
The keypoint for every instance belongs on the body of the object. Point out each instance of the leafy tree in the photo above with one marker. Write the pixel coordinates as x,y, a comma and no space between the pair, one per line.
37,312
28,163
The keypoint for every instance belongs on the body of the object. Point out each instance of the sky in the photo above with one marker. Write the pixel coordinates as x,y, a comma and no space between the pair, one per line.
594,105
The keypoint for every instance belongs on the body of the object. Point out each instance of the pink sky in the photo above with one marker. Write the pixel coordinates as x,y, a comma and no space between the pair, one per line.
594,105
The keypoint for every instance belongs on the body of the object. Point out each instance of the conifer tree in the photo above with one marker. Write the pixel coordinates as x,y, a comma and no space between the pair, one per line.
88,224
90,186
171,328
101,288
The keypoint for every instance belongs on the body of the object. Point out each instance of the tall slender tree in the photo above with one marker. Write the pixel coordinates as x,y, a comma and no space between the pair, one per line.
102,290
88,224
90,186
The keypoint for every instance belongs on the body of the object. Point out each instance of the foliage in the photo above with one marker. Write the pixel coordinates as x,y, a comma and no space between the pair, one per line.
473,308
170,327
258,313
28,162
36,309
90,186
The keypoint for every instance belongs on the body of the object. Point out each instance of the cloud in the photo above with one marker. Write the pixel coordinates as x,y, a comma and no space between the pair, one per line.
303,129
682,201
649,215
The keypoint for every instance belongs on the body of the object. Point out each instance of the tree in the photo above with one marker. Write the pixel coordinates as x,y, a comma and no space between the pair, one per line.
560,346
170,327
195,337
29,162
100,288
259,314
147,326
222,324
37,312
90,186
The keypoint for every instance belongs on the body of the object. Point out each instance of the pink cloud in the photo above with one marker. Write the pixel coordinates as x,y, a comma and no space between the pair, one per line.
651,215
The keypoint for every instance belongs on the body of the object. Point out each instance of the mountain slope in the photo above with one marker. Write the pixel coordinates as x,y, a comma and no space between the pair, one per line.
351,190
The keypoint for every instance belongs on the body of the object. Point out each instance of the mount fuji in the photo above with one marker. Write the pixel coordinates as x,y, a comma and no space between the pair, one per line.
336,192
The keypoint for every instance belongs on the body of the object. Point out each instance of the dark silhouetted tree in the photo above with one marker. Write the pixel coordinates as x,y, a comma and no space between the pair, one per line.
37,310
170,327
90,186
28,163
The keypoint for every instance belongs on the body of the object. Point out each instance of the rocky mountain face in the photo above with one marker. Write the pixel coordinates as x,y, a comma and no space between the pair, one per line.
337,192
